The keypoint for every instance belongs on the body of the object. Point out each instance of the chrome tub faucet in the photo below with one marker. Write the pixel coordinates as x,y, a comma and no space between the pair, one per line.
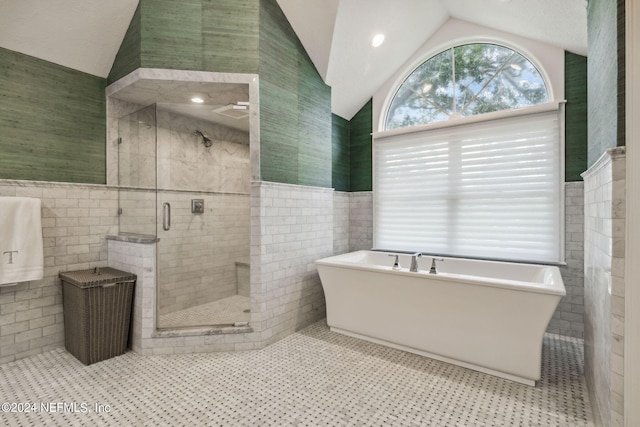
414,261
434,268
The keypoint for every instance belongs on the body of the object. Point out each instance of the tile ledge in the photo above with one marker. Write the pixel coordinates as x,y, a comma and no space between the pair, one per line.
260,184
133,238
74,185
608,156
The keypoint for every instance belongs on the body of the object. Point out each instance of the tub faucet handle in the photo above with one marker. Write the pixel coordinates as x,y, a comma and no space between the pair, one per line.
414,261
396,263
434,268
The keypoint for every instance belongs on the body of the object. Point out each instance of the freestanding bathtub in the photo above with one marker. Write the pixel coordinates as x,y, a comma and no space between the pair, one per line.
483,315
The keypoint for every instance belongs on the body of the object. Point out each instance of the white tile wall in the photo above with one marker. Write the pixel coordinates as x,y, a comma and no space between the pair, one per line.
341,201
75,219
292,226
352,221
139,259
604,213
568,318
360,220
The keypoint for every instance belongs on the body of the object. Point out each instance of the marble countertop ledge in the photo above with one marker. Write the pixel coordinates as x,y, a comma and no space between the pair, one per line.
146,239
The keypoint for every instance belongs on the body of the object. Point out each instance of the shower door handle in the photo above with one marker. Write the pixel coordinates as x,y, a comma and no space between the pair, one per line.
166,216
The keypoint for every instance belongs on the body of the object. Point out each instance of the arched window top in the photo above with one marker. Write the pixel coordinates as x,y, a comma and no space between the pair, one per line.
466,80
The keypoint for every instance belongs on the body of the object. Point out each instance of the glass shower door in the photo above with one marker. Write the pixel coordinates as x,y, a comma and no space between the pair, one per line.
185,180
202,224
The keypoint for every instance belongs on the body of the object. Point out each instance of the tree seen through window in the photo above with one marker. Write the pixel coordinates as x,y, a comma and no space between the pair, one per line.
464,81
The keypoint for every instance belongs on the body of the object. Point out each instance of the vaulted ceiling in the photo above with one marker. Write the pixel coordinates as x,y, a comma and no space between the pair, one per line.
81,34
85,34
337,34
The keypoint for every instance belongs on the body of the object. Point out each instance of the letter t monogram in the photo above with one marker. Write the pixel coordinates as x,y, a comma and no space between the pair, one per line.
10,255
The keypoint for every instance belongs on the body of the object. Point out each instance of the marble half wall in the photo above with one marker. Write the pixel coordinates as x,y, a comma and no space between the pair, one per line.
604,258
292,227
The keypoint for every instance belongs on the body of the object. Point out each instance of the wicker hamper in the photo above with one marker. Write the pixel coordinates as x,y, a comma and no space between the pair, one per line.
97,312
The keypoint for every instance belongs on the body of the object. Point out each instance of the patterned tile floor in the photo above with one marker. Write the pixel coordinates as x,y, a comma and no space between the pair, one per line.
221,312
312,378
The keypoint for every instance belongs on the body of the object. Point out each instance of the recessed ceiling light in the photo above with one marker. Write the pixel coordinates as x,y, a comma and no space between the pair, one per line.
197,100
377,40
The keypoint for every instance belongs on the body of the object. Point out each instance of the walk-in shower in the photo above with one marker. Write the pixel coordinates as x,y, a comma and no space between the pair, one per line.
194,197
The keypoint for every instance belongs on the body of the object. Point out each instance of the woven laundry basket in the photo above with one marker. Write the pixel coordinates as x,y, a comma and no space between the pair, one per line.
97,312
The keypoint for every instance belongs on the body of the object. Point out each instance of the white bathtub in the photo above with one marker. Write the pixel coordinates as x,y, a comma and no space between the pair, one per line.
483,315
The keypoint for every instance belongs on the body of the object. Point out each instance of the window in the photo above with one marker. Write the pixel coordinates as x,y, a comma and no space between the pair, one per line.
463,81
488,188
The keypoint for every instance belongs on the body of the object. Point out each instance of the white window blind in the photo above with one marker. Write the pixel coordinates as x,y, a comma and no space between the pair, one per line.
490,190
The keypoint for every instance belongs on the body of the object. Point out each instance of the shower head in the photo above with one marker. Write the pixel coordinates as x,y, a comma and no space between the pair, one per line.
205,141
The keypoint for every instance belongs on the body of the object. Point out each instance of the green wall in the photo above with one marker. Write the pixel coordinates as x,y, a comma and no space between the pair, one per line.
52,121
244,36
361,149
352,151
49,111
295,107
575,69
340,153
621,85
128,57
198,35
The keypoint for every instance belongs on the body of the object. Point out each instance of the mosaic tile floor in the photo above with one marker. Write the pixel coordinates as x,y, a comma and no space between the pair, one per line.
221,312
312,378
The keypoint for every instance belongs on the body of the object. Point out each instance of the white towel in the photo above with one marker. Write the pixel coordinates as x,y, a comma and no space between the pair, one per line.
21,249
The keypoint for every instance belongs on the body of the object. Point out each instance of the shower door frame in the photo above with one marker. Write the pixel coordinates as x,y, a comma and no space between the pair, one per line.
177,77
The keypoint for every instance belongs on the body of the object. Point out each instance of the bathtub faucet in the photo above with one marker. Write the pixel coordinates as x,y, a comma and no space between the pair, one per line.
396,263
414,261
434,269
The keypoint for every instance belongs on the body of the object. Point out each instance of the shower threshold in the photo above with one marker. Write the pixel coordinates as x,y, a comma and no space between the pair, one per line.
227,312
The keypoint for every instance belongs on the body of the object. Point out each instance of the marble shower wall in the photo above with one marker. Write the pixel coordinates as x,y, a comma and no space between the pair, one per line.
197,257
184,163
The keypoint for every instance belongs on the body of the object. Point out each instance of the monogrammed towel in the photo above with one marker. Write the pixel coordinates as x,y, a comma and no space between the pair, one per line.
21,250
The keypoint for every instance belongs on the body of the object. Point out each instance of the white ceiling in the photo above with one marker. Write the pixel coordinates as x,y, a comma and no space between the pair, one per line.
85,34
81,34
